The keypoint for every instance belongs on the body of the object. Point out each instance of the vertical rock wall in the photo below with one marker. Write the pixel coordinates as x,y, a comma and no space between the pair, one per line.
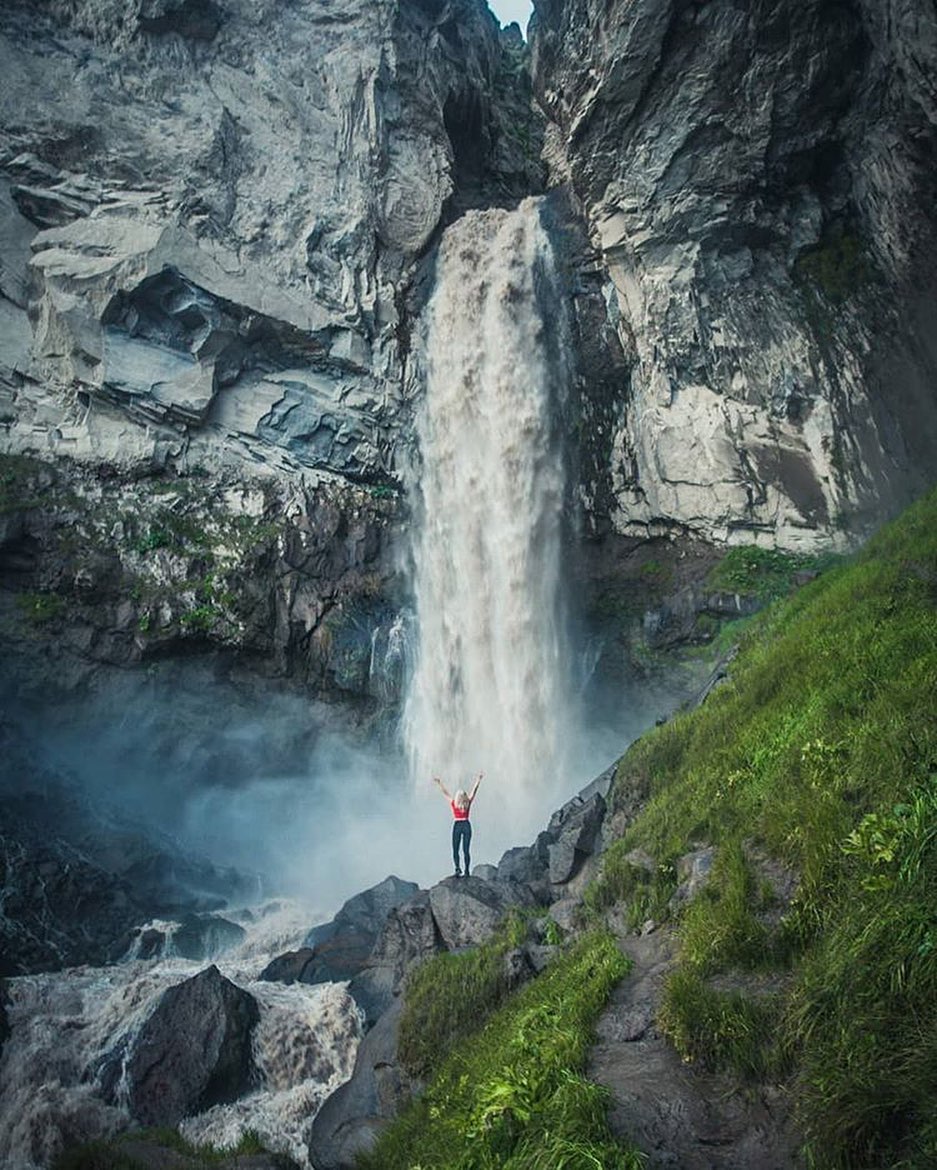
758,182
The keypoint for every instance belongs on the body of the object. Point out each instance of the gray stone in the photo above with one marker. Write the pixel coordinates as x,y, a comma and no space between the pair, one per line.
467,911
288,967
342,946
758,318
576,827
193,1052
357,1112
409,934
693,870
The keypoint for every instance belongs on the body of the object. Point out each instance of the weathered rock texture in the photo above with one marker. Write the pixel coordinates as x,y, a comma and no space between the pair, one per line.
759,184
211,215
194,1050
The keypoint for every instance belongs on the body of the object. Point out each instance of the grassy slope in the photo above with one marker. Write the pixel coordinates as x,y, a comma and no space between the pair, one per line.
510,1095
819,756
820,753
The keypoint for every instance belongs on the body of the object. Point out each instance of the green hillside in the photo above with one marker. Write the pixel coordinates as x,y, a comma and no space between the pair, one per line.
813,773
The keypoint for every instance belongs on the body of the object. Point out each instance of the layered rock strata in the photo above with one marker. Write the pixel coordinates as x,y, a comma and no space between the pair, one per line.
211,216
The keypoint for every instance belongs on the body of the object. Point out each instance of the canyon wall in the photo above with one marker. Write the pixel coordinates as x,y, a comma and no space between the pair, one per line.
758,180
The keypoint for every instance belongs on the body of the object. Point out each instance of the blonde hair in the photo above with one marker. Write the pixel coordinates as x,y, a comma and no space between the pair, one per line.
461,798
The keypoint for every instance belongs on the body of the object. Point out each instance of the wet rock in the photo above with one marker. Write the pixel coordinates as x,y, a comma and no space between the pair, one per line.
342,946
410,933
353,1117
289,967
193,1052
205,936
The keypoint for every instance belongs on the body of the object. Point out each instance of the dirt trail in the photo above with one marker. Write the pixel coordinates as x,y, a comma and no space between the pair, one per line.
679,1116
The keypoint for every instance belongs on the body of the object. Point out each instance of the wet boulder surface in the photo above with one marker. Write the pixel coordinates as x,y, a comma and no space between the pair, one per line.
194,1050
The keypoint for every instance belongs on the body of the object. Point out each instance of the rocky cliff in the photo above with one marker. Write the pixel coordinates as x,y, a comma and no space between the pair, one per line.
758,180
219,223
214,225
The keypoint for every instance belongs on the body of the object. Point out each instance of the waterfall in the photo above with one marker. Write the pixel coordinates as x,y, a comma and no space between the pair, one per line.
489,688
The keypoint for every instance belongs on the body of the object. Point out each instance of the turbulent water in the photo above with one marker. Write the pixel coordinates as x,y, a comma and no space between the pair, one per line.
489,686
63,1023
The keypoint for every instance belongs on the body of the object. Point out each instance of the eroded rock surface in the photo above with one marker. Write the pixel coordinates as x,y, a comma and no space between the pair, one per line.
758,182
212,215
193,1051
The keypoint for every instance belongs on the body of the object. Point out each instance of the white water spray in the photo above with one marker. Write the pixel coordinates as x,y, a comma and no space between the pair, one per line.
489,687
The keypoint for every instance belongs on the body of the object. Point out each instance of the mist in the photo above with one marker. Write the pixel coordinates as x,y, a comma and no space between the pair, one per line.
296,792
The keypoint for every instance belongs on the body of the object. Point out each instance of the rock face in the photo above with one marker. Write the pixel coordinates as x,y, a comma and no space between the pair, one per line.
758,182
193,1051
209,229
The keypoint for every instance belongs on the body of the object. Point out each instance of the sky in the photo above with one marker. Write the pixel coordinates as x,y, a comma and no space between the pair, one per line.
508,10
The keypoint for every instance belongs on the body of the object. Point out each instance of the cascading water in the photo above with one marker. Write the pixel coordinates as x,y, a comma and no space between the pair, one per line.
489,691
65,1023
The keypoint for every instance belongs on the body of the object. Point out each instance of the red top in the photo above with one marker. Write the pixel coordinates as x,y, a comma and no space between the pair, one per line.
460,814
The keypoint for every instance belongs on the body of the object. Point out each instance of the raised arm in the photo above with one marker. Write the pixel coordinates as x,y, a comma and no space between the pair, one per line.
478,780
445,791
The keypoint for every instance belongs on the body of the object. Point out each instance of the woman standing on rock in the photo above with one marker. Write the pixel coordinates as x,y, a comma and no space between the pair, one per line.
461,805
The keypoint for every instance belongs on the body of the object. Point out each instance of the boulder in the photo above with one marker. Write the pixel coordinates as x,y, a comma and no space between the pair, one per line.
693,871
409,934
576,827
353,1117
203,936
467,911
193,1052
342,946
289,967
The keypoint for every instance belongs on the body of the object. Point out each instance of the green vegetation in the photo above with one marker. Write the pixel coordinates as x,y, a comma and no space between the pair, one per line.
722,1031
142,1149
22,481
818,757
40,607
837,265
511,1096
473,979
766,573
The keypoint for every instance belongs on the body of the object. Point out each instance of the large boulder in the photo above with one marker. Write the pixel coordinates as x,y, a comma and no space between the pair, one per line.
193,1052
575,830
409,934
353,1117
467,911
342,946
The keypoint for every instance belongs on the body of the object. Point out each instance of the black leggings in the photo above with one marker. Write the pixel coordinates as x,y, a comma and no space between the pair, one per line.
461,832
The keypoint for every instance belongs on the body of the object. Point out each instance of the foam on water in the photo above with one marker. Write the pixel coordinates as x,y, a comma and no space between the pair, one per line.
64,1023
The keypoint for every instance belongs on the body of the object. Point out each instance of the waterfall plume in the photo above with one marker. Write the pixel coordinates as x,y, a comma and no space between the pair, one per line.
489,689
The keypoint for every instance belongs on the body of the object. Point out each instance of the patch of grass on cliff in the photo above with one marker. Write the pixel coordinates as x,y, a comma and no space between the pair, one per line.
39,608
512,1096
452,994
766,573
822,749
837,265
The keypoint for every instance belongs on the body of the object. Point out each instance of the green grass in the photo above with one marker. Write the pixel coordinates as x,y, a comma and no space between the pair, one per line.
722,1031
473,979
40,607
766,573
512,1096
822,750
114,1155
